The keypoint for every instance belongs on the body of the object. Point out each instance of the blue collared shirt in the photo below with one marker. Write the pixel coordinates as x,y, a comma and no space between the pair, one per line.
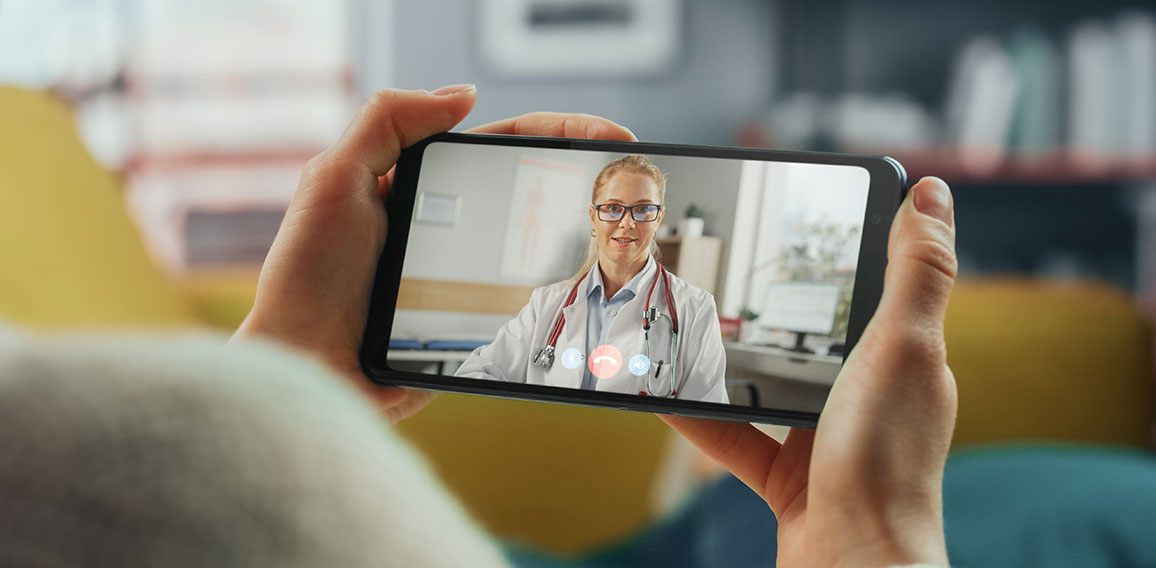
600,312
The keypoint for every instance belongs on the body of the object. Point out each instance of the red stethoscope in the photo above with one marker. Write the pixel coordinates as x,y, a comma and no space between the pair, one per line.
545,356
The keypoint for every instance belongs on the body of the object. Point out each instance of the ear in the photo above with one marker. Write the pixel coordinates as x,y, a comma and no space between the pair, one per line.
593,218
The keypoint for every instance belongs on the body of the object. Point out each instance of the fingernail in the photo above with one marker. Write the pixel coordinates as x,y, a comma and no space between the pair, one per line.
632,135
451,90
933,199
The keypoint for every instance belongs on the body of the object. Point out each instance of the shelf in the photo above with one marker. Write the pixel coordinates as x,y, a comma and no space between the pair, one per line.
978,168
295,157
1053,169
694,259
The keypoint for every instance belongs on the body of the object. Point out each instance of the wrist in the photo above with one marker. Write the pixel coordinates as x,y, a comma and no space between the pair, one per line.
913,536
341,358
914,550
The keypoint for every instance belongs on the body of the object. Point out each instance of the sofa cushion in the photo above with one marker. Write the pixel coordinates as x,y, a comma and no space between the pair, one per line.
71,255
1045,361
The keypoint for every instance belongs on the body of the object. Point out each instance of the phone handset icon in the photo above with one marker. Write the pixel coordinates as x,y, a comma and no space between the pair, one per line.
605,361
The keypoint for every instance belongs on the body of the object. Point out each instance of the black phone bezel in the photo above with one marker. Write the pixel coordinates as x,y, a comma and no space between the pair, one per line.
887,189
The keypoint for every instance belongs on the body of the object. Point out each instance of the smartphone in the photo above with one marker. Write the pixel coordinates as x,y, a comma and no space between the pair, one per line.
712,282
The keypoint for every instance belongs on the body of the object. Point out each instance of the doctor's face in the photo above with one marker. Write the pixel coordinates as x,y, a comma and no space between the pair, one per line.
625,241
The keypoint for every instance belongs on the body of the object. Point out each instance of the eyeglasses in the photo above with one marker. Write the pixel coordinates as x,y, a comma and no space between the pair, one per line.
642,213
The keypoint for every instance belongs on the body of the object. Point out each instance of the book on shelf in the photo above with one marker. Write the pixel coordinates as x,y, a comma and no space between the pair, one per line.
1136,36
1037,122
981,103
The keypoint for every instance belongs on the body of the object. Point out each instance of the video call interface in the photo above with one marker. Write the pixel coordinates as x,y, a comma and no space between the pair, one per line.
716,280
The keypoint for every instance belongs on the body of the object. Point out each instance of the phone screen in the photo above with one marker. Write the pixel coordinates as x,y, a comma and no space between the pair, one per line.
724,281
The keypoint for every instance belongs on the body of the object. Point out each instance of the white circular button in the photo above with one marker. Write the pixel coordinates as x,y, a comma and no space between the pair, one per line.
572,358
639,365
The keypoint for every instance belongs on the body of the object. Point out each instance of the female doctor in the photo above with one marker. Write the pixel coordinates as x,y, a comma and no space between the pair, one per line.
623,323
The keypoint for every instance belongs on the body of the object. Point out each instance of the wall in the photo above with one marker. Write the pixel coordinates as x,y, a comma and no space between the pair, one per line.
711,184
471,251
726,76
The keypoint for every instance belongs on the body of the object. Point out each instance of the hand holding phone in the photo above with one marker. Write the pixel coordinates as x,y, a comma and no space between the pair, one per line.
866,485
316,282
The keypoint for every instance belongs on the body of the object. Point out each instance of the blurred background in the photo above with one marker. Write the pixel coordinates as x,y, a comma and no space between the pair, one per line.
1039,115
148,149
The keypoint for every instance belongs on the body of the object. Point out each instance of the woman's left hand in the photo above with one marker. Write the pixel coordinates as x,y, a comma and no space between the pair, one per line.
316,282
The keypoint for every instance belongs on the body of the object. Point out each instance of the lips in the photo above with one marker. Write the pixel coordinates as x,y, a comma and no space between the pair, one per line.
623,241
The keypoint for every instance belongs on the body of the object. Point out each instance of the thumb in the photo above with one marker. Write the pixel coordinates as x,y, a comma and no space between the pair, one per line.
884,435
921,261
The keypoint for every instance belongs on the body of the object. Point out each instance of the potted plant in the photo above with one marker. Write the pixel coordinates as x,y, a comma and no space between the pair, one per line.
749,330
693,221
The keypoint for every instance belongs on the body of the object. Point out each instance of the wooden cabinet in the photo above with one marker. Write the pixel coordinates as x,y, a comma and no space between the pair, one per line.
694,259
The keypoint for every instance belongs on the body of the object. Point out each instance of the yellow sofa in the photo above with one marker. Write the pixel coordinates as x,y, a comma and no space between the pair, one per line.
1067,362
69,252
1034,361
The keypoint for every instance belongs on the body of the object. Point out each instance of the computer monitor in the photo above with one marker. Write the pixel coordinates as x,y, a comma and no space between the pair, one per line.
801,307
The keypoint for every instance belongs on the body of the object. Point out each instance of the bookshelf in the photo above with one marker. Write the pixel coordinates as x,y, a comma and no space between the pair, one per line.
1076,207
221,130
694,259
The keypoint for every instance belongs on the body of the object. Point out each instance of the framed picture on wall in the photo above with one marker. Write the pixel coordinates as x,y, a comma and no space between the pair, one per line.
553,38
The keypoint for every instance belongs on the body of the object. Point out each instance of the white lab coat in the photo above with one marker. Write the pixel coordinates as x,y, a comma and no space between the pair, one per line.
701,359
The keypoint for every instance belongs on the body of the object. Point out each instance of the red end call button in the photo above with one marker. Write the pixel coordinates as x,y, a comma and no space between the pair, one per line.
605,361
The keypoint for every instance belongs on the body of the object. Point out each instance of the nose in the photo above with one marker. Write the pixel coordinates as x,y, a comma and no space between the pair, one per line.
627,221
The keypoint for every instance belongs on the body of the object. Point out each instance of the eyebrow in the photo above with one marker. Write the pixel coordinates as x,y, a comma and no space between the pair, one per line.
641,202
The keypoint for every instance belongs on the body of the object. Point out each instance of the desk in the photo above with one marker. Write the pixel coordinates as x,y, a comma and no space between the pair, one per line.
443,359
780,378
777,362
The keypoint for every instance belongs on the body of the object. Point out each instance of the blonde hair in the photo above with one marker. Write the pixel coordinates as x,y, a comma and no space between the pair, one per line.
634,164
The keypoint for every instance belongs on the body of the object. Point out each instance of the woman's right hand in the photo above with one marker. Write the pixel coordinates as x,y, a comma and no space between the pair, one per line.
866,487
